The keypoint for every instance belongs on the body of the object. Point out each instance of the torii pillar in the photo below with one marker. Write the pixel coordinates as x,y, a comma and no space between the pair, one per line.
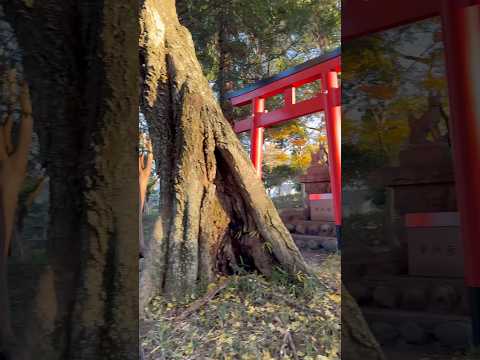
461,28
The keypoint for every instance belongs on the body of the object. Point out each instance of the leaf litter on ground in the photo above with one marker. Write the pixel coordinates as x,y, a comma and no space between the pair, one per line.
248,317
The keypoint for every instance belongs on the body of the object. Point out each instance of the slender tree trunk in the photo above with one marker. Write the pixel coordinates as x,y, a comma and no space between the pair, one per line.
81,59
223,62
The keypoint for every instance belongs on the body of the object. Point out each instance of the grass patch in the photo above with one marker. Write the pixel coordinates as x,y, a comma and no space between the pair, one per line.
252,318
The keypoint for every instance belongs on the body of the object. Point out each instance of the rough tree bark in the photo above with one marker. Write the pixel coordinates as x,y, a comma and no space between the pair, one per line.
214,212
81,60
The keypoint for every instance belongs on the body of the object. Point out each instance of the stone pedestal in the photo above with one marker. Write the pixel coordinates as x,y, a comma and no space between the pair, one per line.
422,183
434,245
313,227
424,180
315,181
321,207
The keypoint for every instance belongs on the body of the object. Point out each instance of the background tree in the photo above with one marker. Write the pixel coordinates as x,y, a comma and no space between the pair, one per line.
81,62
289,149
387,78
240,42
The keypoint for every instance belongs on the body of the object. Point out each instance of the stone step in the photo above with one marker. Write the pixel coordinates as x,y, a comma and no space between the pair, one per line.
398,316
414,327
437,295
312,242
315,222
311,227
360,261
407,280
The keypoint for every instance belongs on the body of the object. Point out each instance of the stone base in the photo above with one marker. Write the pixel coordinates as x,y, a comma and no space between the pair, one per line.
310,242
317,187
393,326
416,198
310,227
292,215
424,180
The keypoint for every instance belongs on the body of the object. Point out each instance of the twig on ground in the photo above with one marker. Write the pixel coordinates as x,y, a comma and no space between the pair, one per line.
196,305
287,339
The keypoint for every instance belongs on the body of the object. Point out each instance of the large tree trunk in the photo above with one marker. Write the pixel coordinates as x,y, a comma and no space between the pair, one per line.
215,215
81,60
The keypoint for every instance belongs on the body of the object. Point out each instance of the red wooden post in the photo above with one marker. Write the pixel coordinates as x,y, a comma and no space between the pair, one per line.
256,146
461,27
333,119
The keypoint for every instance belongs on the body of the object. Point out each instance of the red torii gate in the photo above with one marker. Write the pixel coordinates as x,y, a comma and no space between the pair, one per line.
461,36
324,68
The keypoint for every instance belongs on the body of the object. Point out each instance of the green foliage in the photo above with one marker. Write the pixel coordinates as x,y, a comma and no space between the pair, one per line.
363,228
240,42
358,162
387,78
288,201
260,37
378,196
39,257
277,175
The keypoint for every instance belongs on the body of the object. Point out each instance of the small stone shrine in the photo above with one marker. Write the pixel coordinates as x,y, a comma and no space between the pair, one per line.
312,227
417,283
317,178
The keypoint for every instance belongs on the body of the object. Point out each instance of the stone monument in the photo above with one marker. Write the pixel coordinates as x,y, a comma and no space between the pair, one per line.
424,179
422,183
313,227
317,178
